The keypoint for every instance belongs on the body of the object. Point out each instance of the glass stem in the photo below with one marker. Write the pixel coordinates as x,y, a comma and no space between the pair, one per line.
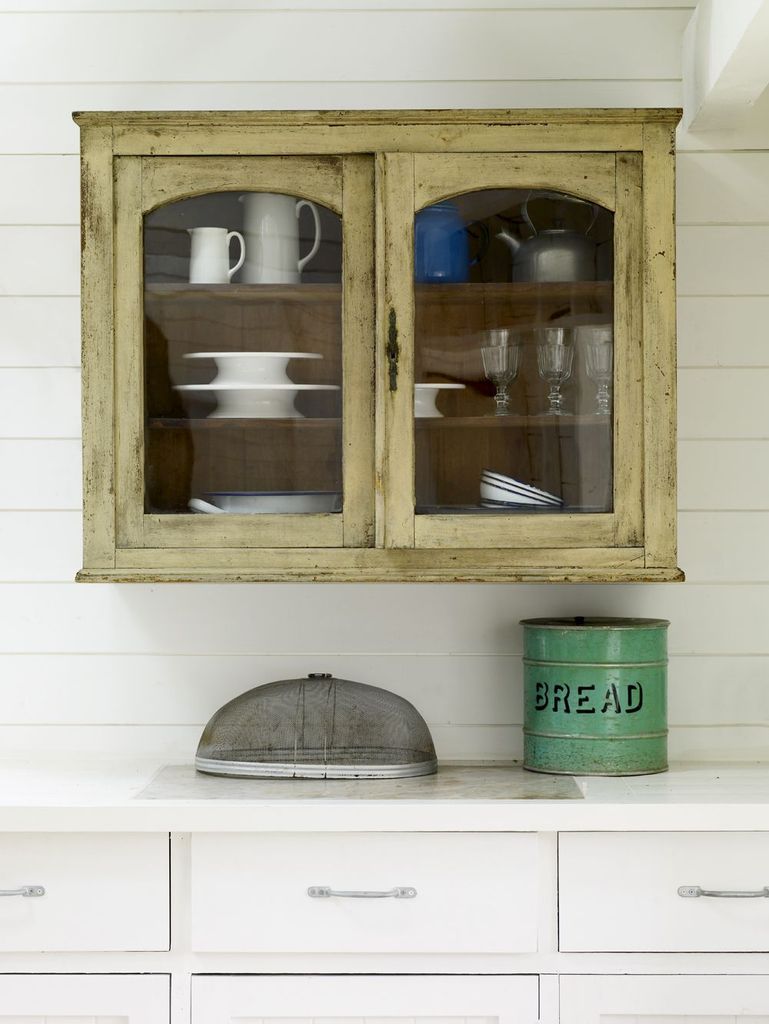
555,398
501,400
603,402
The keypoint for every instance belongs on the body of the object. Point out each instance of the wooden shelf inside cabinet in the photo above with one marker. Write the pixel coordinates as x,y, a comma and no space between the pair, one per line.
504,293
244,293
511,422
247,423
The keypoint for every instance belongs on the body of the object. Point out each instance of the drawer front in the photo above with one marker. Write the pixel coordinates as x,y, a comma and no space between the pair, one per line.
474,893
618,892
79,999
103,892
369,1000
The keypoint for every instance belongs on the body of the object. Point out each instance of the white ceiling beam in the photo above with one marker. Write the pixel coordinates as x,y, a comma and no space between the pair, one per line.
725,61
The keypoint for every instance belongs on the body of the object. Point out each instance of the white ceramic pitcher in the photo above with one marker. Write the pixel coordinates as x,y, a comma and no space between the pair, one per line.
271,227
210,255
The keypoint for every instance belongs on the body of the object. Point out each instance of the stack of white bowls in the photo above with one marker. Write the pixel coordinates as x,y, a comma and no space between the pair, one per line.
505,492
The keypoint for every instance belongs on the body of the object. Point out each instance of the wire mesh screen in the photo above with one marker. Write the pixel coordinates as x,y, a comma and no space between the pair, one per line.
318,727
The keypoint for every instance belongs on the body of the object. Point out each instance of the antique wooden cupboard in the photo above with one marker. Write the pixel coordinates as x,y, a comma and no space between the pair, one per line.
471,377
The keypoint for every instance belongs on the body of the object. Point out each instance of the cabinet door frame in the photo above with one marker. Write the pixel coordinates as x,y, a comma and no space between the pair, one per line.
343,184
414,181
137,999
222,1000
590,999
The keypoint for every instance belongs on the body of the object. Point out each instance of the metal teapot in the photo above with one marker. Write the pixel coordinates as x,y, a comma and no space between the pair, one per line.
553,254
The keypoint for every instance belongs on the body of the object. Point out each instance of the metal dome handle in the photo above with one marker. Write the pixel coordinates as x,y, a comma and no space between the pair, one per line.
564,198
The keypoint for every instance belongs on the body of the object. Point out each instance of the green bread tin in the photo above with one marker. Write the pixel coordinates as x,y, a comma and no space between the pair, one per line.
595,696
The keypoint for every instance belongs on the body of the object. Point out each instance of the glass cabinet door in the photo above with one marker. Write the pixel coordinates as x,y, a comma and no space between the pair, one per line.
237,273
517,314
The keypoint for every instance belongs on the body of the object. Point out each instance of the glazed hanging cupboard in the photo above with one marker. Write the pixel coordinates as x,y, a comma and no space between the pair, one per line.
379,346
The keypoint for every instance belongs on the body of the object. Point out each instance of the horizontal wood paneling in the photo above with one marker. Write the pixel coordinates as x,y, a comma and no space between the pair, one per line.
39,190
724,546
166,657
723,331
39,261
328,618
42,546
100,6
40,403
723,260
723,188
723,475
335,46
40,475
723,403
38,331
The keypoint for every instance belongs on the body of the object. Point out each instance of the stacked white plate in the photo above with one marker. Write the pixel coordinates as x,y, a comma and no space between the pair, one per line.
253,385
500,491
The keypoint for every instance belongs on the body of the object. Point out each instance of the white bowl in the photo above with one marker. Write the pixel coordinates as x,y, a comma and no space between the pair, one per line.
254,401
252,367
251,502
505,495
426,396
518,487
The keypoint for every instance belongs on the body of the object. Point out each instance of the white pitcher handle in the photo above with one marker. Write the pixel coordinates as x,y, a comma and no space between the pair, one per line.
316,244
241,261
198,505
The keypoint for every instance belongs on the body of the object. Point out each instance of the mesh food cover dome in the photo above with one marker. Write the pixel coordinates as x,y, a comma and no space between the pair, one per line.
317,728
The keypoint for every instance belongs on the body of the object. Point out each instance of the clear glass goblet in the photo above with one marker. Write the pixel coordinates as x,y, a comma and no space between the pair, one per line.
500,364
599,361
555,358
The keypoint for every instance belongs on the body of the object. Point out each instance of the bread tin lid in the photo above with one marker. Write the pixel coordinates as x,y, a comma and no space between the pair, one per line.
595,622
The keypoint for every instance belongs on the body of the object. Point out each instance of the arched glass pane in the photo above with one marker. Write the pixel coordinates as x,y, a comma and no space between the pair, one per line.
243,355
514,354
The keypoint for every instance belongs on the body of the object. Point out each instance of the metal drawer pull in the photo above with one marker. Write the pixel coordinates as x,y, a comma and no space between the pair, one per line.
25,890
722,894
406,892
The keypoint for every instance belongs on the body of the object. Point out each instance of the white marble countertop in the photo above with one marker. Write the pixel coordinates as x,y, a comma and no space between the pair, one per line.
150,795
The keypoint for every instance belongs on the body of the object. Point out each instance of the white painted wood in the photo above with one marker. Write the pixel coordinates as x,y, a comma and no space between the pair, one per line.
722,331
723,403
727,475
725,67
39,190
333,46
724,546
350,1000
39,261
42,546
38,331
95,999
263,885
40,402
40,475
664,999
102,892
723,188
259,618
187,6
618,892
723,260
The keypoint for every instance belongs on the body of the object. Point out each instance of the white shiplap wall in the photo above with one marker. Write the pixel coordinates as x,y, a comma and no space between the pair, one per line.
140,668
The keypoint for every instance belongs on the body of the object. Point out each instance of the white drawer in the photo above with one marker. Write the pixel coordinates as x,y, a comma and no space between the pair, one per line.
475,893
102,892
618,892
379,999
